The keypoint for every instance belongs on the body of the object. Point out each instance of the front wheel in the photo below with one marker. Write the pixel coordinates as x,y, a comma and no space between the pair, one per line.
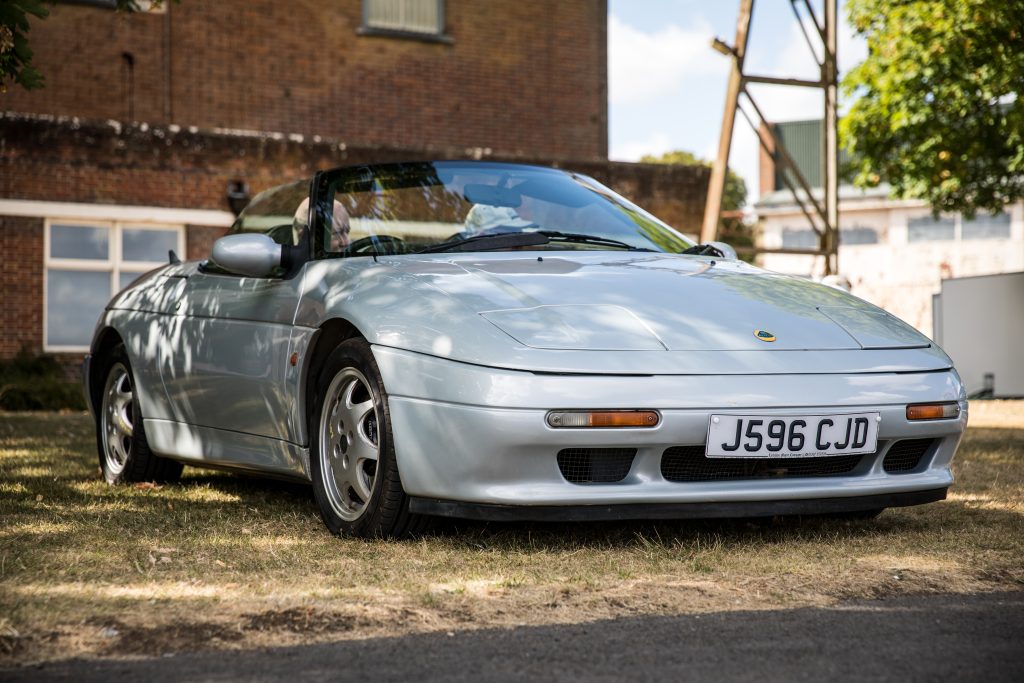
352,457
121,440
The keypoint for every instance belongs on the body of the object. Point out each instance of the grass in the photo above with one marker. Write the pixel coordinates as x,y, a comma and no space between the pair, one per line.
222,561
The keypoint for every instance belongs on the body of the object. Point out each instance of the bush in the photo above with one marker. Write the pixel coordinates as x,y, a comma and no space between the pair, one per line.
37,382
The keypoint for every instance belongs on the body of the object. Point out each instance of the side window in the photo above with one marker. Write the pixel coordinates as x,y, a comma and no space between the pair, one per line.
282,213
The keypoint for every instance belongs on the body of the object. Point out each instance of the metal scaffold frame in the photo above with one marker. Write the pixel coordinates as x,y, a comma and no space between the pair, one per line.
823,217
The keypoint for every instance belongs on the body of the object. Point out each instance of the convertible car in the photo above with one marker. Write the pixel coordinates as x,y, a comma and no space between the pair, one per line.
500,341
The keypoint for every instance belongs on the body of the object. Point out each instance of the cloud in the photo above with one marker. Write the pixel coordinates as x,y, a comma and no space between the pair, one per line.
853,49
787,103
672,67
644,66
795,60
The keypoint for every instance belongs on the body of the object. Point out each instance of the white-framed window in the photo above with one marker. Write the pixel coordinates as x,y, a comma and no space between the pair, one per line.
87,262
414,18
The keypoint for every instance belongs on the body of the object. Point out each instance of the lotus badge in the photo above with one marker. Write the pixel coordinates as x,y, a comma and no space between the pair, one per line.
764,335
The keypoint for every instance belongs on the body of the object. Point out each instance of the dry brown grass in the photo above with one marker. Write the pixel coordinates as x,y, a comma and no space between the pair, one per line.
221,561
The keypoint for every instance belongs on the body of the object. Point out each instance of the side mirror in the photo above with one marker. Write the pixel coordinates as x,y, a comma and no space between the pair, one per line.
726,249
252,254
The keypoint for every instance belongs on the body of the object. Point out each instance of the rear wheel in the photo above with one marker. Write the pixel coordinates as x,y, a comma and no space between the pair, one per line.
352,460
123,450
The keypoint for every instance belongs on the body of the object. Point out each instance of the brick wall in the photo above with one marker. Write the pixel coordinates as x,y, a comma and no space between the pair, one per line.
518,77
112,163
199,241
21,284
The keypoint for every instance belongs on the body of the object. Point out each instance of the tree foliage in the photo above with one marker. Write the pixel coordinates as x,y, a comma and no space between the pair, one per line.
735,194
16,56
937,109
731,230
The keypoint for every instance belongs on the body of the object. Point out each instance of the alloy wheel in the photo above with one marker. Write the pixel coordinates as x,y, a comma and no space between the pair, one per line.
118,419
349,443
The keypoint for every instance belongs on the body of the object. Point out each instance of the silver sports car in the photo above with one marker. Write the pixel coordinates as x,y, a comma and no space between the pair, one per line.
499,341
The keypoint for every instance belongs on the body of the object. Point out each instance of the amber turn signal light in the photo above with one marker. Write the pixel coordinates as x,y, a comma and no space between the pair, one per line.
602,419
933,411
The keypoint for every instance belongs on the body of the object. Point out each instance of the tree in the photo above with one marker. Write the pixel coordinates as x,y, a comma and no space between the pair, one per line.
731,230
735,195
15,54
937,111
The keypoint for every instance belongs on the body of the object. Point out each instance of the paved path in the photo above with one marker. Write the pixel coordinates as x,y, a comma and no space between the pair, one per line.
929,638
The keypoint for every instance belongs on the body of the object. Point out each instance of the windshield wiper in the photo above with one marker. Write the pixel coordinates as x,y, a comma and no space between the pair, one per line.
580,238
704,250
507,240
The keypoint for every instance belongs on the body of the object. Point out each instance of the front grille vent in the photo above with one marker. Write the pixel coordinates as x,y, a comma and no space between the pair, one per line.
688,463
904,456
595,465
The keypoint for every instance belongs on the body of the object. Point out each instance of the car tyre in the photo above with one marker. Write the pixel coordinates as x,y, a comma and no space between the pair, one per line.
356,482
124,452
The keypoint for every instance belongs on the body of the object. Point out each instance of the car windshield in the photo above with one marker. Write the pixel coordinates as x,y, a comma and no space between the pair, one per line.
479,206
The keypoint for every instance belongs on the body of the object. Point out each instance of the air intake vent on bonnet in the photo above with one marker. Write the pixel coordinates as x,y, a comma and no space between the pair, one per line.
595,465
905,456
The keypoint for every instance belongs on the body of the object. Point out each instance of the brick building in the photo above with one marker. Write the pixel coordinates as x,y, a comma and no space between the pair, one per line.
148,121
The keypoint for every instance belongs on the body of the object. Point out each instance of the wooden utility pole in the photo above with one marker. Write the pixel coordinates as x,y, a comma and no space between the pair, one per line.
716,187
823,216
830,143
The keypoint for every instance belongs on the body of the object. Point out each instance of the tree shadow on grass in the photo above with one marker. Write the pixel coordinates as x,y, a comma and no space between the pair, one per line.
52,457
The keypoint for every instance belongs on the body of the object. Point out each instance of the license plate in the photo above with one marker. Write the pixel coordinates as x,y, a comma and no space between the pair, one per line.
791,436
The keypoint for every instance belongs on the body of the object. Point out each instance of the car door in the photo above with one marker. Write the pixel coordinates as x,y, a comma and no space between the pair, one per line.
230,336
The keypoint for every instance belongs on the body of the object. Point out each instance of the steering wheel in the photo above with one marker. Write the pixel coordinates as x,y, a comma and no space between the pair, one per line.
379,244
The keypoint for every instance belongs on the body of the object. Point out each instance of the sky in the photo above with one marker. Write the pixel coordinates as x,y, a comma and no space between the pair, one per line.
666,86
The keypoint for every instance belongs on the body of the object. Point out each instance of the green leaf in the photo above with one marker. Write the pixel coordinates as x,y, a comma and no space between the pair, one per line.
938,111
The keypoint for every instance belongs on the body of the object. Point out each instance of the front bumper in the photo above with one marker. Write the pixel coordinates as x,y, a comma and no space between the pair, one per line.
471,435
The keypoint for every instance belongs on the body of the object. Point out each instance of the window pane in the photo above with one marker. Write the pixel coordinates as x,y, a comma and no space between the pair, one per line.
988,227
79,241
147,245
74,301
799,239
416,16
127,277
858,235
926,228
